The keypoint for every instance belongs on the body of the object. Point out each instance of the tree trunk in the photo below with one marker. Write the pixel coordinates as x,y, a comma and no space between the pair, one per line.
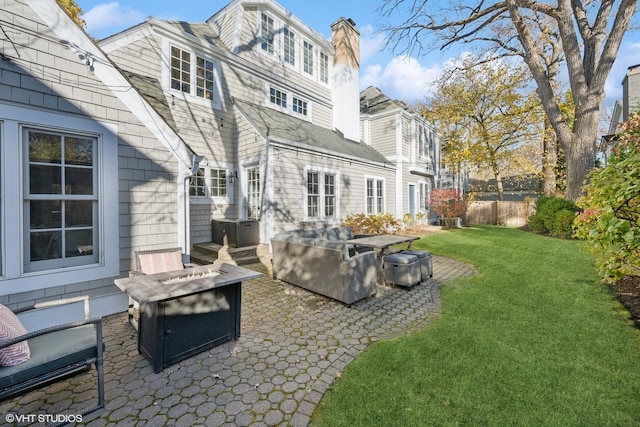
549,161
499,186
580,151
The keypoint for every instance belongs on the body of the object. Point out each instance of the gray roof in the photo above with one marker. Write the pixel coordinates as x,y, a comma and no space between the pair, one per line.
151,90
373,101
204,32
285,128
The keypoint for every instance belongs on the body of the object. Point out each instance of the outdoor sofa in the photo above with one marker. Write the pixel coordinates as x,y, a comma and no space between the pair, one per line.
36,349
323,262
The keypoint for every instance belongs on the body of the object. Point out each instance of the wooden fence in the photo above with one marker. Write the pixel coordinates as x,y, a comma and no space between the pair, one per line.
512,214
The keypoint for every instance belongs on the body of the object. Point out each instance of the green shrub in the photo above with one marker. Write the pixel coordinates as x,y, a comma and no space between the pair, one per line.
361,223
553,215
562,225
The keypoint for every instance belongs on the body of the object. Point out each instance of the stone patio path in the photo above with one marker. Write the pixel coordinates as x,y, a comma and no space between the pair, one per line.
294,345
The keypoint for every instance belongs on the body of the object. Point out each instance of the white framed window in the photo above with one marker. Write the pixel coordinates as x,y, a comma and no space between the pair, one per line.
180,70
321,193
253,188
197,184
307,57
277,97
267,33
194,75
374,195
289,46
218,183
209,183
300,106
61,199
324,67
75,216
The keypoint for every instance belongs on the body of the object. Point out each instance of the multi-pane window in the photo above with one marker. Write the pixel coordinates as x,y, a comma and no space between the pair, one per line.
299,106
278,97
253,193
375,196
289,47
324,67
194,75
61,200
198,184
313,194
204,78
307,57
180,70
329,195
321,195
218,183
267,33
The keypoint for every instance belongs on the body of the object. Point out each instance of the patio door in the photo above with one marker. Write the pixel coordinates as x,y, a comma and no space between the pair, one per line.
252,203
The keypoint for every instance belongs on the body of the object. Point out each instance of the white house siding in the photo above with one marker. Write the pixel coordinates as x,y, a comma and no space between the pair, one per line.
290,169
46,85
382,135
142,56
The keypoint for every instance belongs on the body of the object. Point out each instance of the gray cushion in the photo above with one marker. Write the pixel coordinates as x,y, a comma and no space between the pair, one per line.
418,254
341,246
332,234
52,351
400,258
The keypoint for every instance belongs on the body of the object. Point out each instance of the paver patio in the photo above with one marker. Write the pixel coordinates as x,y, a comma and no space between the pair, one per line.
294,345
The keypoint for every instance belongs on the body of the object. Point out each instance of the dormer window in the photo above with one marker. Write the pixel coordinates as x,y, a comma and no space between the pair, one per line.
267,33
289,47
308,57
180,70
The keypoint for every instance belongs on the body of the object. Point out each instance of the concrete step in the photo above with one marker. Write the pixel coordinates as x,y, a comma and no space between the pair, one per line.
209,252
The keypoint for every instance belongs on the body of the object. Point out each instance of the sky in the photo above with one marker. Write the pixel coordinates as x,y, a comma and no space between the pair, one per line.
397,75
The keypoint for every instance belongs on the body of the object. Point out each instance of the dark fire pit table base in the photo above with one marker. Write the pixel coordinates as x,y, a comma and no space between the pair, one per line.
185,312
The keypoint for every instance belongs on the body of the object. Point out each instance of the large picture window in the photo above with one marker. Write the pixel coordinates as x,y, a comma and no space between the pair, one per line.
61,200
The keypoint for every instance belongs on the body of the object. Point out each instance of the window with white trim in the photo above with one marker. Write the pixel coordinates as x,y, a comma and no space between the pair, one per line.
324,67
198,78
209,183
375,196
289,46
299,106
60,200
267,33
197,184
180,70
277,97
307,50
252,204
218,183
322,199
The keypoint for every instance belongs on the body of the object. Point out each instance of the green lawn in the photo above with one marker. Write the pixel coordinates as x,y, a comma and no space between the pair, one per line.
533,340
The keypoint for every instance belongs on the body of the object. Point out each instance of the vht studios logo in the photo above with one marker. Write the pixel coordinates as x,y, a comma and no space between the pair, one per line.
43,418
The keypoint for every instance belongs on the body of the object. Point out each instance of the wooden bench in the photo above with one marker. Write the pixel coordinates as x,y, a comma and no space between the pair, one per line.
57,350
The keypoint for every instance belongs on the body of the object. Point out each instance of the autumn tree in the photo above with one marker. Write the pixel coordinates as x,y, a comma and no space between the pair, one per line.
74,11
590,33
486,117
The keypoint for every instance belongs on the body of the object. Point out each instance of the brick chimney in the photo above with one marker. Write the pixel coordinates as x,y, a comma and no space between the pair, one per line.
346,78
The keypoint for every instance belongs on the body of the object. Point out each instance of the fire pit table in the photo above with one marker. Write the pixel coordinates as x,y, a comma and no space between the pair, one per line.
185,312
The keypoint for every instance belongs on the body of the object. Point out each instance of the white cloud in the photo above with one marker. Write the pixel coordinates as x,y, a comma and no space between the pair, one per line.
111,16
370,43
403,78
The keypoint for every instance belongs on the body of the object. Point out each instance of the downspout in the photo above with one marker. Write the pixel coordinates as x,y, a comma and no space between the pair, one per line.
184,232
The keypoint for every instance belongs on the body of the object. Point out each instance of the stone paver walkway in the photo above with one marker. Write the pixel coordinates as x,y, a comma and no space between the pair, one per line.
294,345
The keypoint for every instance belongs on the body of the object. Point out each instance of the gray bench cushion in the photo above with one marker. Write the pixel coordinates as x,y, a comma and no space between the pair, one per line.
50,352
